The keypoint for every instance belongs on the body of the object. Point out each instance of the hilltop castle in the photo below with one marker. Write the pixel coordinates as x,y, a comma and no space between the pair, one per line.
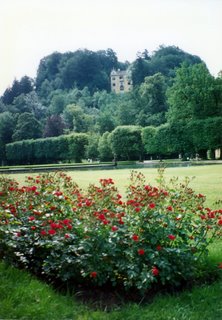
121,81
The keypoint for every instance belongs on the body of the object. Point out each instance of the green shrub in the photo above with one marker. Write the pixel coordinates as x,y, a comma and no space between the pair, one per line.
157,235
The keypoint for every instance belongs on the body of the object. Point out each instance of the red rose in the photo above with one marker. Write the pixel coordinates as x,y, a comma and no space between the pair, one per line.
155,271
152,205
135,237
141,252
171,237
52,232
93,274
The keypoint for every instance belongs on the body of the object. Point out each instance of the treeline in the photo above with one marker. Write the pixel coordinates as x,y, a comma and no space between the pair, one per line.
192,139
173,91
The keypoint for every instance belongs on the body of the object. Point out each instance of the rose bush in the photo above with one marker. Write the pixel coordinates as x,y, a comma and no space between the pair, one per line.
156,234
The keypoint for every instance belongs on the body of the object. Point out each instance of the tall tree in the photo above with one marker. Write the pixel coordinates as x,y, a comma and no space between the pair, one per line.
152,101
54,126
192,94
7,126
27,127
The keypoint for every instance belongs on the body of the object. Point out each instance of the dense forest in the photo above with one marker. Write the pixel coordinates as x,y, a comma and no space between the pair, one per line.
68,112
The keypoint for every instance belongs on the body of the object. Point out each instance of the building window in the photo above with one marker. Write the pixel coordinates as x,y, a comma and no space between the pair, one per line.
121,77
121,88
114,84
113,78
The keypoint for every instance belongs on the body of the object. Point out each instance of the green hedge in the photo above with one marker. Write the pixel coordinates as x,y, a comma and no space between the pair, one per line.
50,150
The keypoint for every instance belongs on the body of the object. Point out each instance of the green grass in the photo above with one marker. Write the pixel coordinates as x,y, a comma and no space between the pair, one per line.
208,178
24,297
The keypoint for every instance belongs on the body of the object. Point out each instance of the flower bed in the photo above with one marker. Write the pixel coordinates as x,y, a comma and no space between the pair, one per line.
155,235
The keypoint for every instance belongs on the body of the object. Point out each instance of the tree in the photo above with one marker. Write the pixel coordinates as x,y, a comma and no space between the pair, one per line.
192,94
58,104
81,121
25,85
167,58
48,69
29,103
2,106
164,60
27,127
106,122
104,149
92,147
149,140
54,126
126,142
77,146
152,101
7,126
126,111
141,68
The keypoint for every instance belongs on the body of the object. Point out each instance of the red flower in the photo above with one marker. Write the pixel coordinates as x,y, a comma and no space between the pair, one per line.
147,187
220,222
159,248
67,236
141,252
152,205
88,203
114,228
33,227
43,233
31,218
170,208
200,195
93,274
137,209
135,237
52,232
102,217
171,237
66,222
58,193
155,271
220,265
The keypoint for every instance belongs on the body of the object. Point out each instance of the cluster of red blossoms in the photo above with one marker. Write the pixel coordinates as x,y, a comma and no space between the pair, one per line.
51,212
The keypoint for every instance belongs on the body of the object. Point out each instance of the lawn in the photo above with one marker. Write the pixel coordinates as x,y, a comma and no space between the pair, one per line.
24,297
207,178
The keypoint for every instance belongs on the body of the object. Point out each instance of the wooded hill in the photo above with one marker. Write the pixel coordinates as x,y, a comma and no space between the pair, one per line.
175,107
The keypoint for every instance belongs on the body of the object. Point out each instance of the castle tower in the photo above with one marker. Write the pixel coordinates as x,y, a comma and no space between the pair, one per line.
121,81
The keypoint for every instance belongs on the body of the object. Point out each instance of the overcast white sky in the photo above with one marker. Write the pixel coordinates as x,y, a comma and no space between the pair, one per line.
32,29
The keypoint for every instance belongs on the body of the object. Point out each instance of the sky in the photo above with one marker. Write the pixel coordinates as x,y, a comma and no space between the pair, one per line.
33,29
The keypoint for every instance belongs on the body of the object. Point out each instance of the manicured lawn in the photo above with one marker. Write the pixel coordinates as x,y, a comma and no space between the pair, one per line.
24,297
207,179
